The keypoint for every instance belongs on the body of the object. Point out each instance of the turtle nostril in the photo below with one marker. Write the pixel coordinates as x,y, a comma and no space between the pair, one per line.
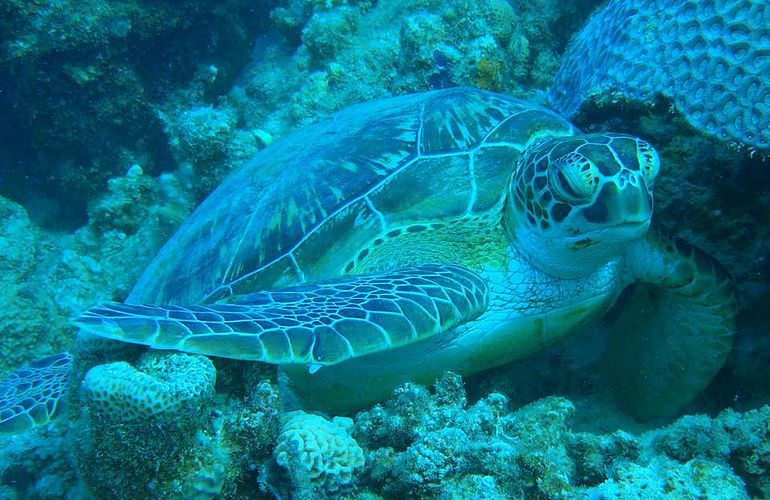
625,178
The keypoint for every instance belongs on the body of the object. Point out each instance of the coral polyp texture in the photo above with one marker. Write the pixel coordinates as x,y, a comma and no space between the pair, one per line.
145,430
160,385
320,455
710,58
30,395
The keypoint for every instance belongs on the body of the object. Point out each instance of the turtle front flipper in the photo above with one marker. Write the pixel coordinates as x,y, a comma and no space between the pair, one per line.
675,329
30,396
315,324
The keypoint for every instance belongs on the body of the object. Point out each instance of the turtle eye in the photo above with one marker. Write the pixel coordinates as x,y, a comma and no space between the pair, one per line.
649,161
573,179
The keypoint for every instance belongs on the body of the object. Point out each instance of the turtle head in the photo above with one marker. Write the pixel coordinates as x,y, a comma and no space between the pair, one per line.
575,202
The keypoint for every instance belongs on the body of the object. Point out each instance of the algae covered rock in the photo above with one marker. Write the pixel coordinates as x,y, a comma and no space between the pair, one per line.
414,411
396,422
473,486
739,439
23,328
256,426
144,428
750,447
666,479
206,140
328,32
434,458
48,278
594,454
127,204
88,78
540,432
36,465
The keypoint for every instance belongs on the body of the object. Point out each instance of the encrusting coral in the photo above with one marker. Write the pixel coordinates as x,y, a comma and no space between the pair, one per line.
534,452
321,457
160,436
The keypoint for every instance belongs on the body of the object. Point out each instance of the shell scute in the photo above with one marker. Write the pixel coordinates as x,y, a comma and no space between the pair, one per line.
305,206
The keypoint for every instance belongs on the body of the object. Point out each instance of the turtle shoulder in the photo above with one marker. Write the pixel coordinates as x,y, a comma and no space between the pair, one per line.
302,207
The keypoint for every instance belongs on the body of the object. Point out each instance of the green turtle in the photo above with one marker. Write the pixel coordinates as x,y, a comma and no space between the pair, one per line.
450,230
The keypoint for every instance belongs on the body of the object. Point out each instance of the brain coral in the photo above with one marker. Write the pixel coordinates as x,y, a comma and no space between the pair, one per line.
143,434
161,384
320,455
710,57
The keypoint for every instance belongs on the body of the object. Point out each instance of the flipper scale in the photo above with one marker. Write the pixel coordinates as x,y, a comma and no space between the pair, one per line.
31,395
676,326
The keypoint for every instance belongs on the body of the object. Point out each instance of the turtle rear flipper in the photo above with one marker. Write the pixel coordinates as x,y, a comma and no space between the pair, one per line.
30,396
675,328
316,324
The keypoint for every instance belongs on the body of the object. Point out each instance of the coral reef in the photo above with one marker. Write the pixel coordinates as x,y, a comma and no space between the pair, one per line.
48,278
126,82
159,435
144,431
711,59
321,457
336,55
121,115
534,451
85,79
36,464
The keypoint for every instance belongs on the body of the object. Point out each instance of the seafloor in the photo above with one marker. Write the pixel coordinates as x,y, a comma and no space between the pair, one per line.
120,116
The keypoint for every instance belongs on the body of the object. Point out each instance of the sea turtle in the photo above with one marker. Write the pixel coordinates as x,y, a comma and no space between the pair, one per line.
457,230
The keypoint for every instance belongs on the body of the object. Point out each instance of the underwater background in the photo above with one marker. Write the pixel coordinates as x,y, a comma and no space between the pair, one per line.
119,117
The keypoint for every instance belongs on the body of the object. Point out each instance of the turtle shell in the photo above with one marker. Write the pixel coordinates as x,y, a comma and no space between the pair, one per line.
302,207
